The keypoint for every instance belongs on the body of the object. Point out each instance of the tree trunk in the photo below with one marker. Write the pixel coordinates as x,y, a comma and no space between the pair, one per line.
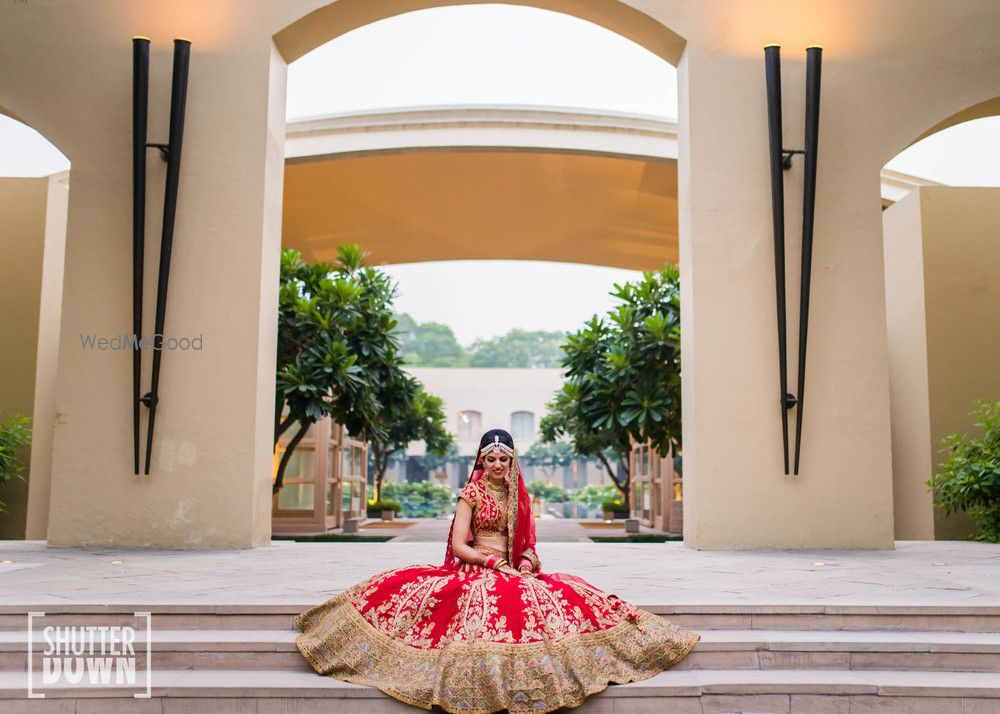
280,479
280,427
381,464
279,404
621,485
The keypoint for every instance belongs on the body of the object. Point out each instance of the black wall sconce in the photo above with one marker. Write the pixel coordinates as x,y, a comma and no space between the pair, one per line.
171,153
781,160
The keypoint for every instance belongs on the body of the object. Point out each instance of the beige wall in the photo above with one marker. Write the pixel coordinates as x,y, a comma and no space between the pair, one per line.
947,274
32,238
892,70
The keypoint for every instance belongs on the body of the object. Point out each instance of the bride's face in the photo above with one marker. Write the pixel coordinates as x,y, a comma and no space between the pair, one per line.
496,464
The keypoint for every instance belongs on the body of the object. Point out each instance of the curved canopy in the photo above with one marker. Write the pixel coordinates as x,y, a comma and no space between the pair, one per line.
484,203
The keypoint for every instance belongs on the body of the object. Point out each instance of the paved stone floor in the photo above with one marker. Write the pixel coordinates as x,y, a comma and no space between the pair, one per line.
944,573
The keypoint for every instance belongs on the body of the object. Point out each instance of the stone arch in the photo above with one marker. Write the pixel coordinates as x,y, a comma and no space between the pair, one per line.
37,122
977,110
939,249
337,18
989,108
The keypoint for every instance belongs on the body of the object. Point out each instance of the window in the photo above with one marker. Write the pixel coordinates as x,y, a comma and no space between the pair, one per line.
522,425
470,425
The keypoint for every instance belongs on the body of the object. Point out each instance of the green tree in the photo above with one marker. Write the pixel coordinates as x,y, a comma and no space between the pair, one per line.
338,355
548,456
409,414
970,479
14,435
334,343
623,378
433,462
518,348
429,344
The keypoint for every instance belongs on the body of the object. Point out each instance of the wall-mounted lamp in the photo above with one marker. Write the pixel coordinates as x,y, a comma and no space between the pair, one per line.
781,160
171,153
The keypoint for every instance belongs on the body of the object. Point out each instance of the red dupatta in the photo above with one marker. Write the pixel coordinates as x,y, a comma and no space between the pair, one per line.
520,521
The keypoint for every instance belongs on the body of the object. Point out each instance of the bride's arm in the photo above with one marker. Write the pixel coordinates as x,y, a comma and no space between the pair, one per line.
464,551
528,561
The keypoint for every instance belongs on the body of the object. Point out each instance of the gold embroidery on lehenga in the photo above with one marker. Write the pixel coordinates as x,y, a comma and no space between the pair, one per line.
406,615
436,636
478,614
473,676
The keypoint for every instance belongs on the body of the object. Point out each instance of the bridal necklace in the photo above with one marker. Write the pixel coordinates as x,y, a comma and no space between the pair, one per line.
497,489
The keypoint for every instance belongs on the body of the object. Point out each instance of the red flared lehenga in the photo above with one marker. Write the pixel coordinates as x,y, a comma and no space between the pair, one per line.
472,639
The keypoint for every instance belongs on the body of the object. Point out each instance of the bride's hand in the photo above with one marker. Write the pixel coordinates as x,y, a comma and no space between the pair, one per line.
507,569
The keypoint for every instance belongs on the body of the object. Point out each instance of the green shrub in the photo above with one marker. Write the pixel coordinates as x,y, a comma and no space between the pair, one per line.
593,496
615,506
970,479
385,504
546,492
423,499
14,434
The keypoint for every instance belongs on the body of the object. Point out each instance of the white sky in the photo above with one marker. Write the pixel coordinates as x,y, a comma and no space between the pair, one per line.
500,54
484,54
532,295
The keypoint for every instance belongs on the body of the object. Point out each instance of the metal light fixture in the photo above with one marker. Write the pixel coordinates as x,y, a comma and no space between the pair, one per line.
171,153
781,160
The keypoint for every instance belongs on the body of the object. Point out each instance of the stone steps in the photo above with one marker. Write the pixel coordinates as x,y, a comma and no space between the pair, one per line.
242,658
675,691
962,618
718,649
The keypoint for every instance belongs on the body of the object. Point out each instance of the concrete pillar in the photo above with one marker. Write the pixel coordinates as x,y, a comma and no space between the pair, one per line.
209,485
736,495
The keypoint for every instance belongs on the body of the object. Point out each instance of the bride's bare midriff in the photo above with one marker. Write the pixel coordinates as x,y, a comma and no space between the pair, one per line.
497,542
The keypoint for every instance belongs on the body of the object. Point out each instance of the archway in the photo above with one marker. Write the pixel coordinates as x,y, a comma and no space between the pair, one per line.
333,20
941,276
636,176
34,196
634,168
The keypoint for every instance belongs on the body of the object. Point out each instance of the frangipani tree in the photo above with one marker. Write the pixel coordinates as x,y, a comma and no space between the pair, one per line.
623,378
408,414
337,352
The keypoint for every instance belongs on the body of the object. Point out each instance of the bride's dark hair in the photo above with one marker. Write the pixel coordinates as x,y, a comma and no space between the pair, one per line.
489,438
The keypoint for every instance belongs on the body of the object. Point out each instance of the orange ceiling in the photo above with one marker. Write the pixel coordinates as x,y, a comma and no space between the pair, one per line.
466,204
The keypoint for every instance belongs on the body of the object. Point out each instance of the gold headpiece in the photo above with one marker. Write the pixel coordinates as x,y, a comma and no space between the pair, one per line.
497,445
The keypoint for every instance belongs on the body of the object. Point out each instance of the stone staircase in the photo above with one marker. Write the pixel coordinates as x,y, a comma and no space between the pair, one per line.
778,658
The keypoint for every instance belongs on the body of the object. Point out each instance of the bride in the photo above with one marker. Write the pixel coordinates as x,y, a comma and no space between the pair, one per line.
487,630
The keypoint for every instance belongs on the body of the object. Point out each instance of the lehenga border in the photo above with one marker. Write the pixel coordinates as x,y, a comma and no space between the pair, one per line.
341,643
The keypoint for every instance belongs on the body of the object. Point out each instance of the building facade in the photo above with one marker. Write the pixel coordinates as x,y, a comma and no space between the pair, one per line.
886,84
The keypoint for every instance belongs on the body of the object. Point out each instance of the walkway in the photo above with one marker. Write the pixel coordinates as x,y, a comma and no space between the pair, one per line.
917,573
548,530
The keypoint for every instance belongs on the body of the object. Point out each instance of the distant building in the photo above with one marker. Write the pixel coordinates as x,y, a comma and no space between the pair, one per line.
479,399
